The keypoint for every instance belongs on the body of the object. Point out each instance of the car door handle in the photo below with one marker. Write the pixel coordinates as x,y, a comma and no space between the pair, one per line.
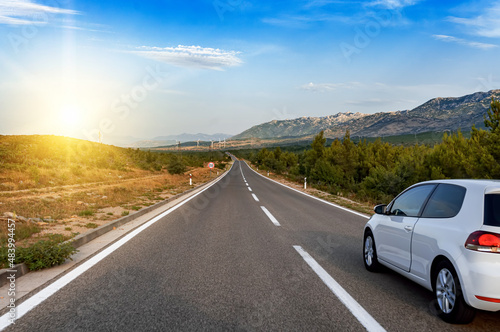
408,229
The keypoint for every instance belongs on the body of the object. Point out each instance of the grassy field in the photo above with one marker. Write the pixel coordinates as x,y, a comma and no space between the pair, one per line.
64,186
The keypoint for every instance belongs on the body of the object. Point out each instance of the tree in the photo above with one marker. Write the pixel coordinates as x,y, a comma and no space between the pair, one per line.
318,144
493,120
176,166
493,123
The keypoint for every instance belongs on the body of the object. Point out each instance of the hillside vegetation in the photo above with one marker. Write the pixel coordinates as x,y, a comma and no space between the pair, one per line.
378,171
58,187
28,162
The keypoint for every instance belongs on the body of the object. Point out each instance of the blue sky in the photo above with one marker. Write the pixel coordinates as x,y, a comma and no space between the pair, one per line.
152,68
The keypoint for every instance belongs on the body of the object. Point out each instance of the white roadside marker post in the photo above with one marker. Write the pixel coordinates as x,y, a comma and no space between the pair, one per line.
190,179
305,183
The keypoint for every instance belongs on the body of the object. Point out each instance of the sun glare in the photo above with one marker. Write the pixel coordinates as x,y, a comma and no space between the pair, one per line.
70,116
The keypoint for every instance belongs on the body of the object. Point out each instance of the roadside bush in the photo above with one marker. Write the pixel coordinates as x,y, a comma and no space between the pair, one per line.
176,166
86,213
43,254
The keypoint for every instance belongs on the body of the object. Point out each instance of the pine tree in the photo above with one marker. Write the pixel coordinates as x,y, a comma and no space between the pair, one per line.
318,144
493,120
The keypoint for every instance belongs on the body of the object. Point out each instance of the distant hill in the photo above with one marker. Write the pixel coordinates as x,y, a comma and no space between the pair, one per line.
298,127
436,115
173,139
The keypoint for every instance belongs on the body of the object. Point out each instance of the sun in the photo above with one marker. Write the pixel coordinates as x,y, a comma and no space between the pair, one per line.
70,116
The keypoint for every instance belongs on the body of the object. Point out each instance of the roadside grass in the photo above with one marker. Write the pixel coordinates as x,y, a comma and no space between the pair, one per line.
23,230
86,213
89,200
69,207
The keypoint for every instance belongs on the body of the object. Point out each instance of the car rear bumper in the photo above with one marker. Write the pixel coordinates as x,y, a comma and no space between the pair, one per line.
480,278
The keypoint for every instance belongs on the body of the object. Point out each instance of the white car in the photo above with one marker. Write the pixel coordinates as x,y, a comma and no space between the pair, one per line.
445,236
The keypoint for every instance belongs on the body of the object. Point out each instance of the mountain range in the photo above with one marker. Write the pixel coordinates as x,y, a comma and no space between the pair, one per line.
436,115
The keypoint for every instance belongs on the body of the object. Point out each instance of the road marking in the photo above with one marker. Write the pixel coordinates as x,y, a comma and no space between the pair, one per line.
249,188
247,184
242,175
255,197
51,289
316,198
270,216
354,307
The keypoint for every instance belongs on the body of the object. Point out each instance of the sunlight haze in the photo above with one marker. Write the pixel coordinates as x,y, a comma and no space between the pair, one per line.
153,68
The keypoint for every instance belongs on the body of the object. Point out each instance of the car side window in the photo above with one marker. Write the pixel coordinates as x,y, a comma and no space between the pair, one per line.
410,202
445,202
492,210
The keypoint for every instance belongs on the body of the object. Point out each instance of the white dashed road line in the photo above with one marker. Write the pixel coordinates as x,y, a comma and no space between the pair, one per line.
255,197
270,216
313,197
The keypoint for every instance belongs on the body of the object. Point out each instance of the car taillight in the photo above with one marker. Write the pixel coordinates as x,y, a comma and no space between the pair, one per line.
483,241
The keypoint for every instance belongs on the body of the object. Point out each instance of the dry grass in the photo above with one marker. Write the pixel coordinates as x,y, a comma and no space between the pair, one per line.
70,210
61,187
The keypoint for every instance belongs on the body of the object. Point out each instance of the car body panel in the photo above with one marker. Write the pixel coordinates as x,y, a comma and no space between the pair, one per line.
432,239
395,240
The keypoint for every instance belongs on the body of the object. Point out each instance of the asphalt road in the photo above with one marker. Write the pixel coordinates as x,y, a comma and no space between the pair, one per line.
220,262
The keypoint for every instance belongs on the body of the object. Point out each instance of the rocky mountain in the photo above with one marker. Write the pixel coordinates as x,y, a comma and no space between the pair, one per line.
298,127
436,115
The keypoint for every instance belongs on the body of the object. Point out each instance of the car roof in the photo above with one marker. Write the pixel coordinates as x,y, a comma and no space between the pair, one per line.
483,184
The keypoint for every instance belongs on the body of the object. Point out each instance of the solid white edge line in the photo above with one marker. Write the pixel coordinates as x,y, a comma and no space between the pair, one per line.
51,289
354,307
270,216
255,197
316,198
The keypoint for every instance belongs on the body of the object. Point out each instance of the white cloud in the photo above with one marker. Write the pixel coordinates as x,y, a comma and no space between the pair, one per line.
486,24
327,87
393,4
22,12
451,39
191,56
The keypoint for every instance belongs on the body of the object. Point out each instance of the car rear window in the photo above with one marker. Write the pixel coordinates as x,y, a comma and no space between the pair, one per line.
492,210
445,202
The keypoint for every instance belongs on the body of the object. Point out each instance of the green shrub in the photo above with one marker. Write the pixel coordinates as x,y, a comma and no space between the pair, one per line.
43,254
176,166
91,225
86,213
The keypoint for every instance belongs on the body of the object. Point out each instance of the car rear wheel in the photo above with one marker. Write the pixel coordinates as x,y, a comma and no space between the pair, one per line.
370,253
450,302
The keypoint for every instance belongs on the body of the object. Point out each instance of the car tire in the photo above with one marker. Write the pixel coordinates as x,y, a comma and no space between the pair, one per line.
450,303
370,253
